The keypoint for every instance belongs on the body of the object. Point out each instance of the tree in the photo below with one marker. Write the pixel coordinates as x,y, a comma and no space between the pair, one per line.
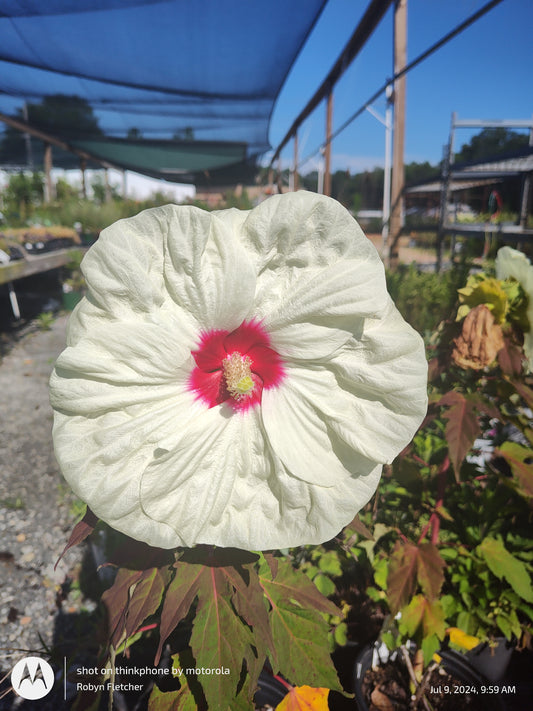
491,142
67,117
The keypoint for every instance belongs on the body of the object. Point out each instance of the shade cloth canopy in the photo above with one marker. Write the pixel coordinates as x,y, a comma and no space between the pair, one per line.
175,89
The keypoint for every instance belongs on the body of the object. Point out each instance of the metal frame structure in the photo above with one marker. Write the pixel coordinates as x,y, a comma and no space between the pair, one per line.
497,168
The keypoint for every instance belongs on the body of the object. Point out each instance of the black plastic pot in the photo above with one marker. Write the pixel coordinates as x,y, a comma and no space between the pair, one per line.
454,663
492,661
270,692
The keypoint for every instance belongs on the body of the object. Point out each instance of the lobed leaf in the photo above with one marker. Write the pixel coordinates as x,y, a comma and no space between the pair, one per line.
116,600
519,459
430,570
219,637
402,575
299,629
179,597
146,598
462,427
505,566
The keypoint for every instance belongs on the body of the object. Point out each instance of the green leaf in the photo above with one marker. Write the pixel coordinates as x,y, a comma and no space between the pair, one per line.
430,645
325,585
462,427
329,564
430,570
505,566
219,637
298,627
181,700
426,613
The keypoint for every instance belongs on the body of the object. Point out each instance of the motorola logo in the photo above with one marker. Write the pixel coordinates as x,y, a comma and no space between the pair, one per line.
32,678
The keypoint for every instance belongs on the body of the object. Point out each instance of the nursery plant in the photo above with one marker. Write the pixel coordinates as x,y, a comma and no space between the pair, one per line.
451,553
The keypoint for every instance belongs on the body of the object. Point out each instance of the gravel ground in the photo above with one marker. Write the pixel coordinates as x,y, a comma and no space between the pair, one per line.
36,508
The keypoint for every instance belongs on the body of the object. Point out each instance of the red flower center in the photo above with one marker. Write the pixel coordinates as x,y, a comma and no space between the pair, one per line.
235,366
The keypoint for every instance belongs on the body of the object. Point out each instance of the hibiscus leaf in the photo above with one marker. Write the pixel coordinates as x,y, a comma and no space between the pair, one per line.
249,602
146,597
116,600
80,532
430,570
219,638
413,614
298,627
181,700
433,621
402,576
426,613
462,427
504,565
305,698
519,459
179,597
296,586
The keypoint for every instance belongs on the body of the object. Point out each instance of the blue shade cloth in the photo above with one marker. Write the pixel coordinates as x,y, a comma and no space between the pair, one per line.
164,71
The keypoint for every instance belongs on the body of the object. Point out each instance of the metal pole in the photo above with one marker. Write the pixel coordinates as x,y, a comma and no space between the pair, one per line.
398,173
526,187
327,147
27,137
295,163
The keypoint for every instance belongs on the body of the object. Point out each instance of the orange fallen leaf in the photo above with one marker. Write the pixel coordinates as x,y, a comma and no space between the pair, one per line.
305,698
25,620
381,701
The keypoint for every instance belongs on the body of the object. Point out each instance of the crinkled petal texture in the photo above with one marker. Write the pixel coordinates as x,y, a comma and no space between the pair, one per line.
512,263
167,445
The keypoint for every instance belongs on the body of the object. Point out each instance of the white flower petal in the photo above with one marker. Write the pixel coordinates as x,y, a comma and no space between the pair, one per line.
222,484
371,395
207,272
104,456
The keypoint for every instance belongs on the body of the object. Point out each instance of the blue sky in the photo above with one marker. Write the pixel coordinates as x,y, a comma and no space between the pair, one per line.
486,73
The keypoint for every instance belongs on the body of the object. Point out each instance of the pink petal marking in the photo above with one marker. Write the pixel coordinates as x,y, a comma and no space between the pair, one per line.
249,339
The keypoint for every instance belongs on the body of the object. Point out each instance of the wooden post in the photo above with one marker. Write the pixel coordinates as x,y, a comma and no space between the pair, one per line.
327,148
295,164
526,188
398,173
48,184
83,165
107,185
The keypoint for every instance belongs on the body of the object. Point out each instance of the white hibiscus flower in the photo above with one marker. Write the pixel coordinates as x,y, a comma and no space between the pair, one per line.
510,263
235,378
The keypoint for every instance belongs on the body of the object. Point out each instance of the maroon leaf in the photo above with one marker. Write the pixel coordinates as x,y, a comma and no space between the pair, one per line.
179,597
145,598
430,570
402,576
116,600
462,427
80,532
510,358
